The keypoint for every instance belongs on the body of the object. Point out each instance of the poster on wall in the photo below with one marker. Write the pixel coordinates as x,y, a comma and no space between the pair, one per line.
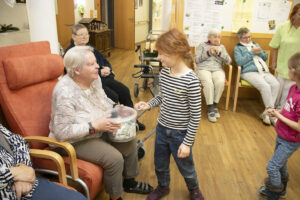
201,16
269,14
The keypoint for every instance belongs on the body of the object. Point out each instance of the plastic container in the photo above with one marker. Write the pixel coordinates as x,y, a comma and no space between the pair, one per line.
127,117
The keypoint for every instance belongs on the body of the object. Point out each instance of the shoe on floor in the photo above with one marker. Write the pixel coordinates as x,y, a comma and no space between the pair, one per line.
196,194
217,114
273,121
263,190
265,118
141,126
211,117
158,193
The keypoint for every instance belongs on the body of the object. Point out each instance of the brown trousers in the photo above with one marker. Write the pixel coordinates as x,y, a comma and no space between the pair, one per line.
116,159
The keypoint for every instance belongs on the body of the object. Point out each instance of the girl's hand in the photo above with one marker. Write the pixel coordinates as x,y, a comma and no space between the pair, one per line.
273,112
142,106
183,151
105,124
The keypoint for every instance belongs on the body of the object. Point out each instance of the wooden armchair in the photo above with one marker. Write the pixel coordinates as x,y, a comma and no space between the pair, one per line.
28,75
243,83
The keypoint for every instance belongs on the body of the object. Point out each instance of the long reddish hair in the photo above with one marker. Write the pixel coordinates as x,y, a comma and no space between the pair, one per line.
293,13
174,42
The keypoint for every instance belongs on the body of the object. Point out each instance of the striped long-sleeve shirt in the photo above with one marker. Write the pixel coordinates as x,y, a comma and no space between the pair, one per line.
180,103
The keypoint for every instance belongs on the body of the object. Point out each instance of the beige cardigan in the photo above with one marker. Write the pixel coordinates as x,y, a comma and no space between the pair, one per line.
73,107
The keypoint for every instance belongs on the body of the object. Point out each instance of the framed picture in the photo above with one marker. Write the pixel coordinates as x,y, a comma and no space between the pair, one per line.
20,1
140,3
136,4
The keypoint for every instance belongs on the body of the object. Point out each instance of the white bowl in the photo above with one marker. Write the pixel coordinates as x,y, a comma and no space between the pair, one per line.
127,117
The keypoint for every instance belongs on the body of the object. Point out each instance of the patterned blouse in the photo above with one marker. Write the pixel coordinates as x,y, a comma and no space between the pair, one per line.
19,154
73,107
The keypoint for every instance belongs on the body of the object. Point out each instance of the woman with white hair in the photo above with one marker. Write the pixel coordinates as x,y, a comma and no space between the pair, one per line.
251,58
209,58
79,107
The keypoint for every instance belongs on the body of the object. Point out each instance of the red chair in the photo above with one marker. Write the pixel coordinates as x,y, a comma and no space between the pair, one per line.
28,74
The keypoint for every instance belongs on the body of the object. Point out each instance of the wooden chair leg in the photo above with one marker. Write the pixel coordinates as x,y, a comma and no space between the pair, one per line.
236,92
228,87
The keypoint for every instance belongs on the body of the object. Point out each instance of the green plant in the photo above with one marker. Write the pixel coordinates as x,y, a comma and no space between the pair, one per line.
80,10
10,27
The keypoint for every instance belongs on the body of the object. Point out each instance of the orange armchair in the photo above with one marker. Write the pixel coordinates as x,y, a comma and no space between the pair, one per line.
28,75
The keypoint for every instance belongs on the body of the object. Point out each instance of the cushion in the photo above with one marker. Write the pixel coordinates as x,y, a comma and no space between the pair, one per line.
28,70
245,83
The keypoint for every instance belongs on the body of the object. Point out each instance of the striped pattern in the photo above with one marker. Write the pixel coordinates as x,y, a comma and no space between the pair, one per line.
21,154
180,103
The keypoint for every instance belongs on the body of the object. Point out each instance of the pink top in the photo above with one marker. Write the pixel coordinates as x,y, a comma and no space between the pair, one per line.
291,110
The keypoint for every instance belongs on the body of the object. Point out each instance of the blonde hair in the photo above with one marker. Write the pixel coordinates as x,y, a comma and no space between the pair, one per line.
175,42
294,63
75,58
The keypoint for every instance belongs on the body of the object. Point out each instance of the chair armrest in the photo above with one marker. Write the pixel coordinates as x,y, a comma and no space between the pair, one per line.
65,145
55,157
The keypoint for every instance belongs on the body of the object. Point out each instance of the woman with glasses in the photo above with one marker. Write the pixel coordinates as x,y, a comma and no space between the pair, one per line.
251,58
114,89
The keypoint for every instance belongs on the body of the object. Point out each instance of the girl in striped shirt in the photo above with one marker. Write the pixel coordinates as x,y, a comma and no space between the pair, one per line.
180,110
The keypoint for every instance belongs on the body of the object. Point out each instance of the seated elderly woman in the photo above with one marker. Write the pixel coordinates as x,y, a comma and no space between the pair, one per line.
17,177
79,107
209,58
114,89
251,58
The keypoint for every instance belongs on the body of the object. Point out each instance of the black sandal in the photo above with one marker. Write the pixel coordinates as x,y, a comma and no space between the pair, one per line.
140,188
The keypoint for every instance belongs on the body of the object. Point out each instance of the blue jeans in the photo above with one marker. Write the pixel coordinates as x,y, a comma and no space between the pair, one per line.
167,142
277,165
47,190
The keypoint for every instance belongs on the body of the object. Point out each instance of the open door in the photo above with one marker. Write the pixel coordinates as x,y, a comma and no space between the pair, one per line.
124,24
65,20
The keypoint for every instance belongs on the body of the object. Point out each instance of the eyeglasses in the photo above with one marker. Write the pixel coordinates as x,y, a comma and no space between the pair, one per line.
246,37
82,35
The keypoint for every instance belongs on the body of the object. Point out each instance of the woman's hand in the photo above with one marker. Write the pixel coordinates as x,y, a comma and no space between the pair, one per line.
142,106
105,71
23,173
214,50
21,188
105,124
256,50
183,151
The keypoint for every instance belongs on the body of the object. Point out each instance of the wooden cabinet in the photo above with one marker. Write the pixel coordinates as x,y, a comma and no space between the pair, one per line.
101,40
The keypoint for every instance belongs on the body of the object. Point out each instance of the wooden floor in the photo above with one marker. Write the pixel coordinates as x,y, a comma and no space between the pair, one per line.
230,155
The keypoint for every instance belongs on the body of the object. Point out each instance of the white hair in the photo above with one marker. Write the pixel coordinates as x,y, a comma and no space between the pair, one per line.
213,32
75,58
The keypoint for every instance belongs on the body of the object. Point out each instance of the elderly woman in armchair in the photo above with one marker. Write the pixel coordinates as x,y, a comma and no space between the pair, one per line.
79,107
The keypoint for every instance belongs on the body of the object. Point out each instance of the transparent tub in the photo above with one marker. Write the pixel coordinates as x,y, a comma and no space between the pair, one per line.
127,117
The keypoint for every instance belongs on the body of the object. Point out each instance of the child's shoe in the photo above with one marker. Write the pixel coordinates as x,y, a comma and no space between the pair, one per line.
211,117
270,191
217,114
196,194
158,193
263,189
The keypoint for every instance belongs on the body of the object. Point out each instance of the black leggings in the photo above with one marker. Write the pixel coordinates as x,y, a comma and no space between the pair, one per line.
117,92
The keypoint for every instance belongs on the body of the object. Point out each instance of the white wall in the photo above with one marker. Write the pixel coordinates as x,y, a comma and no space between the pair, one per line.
17,16
142,22
42,22
296,2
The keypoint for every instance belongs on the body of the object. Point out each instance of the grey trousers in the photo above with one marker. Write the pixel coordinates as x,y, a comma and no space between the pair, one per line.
213,84
284,88
277,165
116,159
267,85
